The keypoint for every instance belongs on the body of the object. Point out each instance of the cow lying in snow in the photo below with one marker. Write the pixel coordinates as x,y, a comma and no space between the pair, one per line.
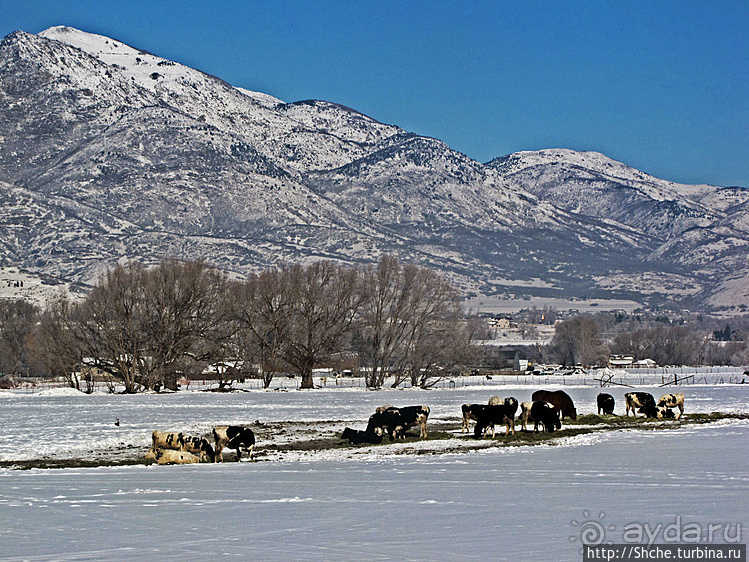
560,400
171,456
541,412
234,437
642,402
170,440
395,421
605,404
357,436
668,401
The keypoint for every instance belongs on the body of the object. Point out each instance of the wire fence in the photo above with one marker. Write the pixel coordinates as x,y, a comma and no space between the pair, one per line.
662,376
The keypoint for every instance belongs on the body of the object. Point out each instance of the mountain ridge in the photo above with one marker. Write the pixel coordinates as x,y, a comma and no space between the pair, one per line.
110,152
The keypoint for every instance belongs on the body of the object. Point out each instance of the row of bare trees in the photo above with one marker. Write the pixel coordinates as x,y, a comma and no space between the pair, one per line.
148,326
579,341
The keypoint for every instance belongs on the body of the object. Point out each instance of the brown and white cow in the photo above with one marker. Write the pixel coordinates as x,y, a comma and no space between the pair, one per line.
198,446
173,456
668,401
234,437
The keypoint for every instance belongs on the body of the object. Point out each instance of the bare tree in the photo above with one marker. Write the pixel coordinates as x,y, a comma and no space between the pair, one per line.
184,317
435,331
55,347
324,302
110,326
577,342
410,324
385,316
262,312
17,318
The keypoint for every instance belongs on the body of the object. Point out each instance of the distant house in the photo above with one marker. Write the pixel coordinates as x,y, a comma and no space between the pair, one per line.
519,364
645,364
620,361
501,323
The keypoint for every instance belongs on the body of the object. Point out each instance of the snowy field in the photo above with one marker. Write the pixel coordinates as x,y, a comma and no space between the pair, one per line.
513,503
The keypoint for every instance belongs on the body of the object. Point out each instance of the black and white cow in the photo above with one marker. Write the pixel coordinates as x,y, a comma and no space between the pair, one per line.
668,401
493,414
606,404
198,446
471,412
395,421
539,411
235,437
642,402
398,420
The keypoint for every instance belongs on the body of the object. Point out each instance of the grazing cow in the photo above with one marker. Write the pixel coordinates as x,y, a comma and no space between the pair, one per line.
560,400
357,436
668,401
642,402
541,412
496,414
388,421
181,442
605,404
545,413
470,412
398,420
174,456
234,437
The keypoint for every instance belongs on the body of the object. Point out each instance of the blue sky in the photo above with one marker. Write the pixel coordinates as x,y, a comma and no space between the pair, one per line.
659,85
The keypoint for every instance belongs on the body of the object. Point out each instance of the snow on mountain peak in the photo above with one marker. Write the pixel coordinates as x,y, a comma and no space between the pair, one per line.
142,67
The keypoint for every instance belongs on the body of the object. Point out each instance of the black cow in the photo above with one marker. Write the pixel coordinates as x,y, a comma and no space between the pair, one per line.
357,436
605,404
544,413
234,437
496,414
642,402
547,418
560,400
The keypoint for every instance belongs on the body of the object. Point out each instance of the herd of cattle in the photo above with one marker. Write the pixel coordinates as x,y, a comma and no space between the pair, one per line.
546,408
168,447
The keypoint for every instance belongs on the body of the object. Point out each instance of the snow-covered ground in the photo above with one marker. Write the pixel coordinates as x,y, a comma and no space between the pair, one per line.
511,503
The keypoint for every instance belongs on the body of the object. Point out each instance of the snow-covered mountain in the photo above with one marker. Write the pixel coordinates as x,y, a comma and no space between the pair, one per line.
109,152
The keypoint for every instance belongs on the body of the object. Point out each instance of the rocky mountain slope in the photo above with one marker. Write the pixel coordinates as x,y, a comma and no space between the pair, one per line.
108,152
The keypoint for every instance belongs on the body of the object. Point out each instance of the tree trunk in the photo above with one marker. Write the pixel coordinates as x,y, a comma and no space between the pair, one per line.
307,380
